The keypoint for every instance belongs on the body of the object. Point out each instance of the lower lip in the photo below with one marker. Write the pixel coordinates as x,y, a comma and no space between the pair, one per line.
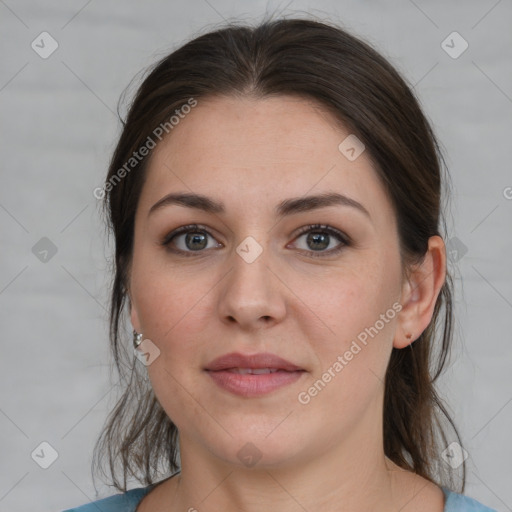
250,385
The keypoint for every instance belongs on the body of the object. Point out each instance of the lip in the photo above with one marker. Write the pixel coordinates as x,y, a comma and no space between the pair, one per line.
224,372
262,360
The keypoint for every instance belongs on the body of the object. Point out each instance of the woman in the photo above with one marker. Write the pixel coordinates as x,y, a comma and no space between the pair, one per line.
275,201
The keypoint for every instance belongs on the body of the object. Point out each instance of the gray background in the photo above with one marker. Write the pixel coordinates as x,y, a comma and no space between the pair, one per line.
58,131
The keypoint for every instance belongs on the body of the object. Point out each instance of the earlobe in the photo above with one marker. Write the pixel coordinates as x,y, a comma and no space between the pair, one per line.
420,293
407,319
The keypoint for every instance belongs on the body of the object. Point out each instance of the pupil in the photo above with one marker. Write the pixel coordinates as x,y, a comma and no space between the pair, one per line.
317,238
195,238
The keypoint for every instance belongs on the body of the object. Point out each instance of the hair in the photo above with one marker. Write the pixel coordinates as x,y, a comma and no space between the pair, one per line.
316,61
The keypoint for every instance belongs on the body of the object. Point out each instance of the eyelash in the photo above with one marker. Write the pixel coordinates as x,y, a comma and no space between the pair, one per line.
344,239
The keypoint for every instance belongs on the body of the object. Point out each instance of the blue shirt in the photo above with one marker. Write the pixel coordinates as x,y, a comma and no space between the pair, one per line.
128,501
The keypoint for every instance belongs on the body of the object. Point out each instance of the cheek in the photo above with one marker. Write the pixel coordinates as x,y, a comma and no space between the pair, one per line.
165,295
347,383
172,311
360,310
175,309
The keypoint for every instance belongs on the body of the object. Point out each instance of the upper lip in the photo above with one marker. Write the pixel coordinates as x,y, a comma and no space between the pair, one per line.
263,360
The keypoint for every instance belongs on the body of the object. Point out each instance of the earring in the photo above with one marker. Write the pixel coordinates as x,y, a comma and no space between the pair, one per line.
137,339
408,335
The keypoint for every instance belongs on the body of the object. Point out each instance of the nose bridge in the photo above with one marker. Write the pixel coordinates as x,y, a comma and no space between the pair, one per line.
251,294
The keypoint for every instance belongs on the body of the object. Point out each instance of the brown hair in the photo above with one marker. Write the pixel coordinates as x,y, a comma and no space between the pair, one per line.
322,62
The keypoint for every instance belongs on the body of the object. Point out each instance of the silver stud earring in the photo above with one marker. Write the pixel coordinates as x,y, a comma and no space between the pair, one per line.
137,339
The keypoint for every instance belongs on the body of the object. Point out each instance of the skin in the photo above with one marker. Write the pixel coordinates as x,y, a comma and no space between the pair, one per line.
252,154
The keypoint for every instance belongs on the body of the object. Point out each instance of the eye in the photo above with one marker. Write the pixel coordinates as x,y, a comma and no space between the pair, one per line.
320,237
189,239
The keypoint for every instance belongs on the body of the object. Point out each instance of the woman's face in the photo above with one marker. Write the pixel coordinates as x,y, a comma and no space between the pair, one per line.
253,279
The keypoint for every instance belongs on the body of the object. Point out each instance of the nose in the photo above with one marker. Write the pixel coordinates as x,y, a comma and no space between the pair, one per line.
252,295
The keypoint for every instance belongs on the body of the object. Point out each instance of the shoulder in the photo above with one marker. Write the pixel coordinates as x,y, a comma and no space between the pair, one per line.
125,502
459,503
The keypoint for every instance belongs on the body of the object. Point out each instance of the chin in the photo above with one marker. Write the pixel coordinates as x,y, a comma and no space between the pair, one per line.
261,454
257,445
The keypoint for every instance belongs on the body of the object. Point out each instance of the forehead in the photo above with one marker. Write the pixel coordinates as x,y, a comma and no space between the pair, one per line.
249,150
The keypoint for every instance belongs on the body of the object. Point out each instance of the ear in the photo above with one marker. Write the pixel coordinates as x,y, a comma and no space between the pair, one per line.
420,292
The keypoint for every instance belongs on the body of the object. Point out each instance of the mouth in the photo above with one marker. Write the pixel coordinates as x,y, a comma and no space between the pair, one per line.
253,375
253,371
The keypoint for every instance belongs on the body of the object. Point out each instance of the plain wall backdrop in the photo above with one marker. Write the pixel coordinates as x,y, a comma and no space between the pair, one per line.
59,127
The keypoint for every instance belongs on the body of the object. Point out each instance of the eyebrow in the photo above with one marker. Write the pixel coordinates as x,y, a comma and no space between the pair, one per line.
284,208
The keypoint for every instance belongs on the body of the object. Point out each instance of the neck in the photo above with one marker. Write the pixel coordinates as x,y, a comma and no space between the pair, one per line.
353,475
